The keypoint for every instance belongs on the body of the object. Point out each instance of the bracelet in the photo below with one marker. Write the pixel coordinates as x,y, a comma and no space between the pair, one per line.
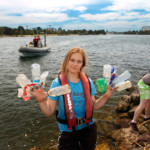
47,94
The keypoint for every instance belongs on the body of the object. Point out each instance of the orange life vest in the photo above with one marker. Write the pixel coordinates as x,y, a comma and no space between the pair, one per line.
70,115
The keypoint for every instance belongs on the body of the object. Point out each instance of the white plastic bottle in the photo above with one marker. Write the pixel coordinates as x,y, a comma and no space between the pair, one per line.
22,80
123,86
43,77
107,72
61,90
121,78
35,69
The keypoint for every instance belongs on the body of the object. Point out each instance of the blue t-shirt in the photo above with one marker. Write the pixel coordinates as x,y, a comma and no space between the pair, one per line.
78,100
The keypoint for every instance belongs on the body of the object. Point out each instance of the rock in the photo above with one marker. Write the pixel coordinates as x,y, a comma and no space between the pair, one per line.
123,115
123,123
144,138
125,138
103,146
131,112
135,98
130,89
124,104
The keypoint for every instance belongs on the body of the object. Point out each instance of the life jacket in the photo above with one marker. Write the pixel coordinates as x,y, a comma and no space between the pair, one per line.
70,114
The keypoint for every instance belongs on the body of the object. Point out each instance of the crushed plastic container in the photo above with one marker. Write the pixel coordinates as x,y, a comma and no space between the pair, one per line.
61,90
101,85
43,77
22,80
113,75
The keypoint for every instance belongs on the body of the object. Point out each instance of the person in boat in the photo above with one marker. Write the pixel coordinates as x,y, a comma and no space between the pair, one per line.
35,41
39,44
75,110
144,89
30,44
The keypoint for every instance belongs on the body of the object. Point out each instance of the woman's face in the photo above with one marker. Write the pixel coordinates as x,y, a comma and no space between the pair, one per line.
75,63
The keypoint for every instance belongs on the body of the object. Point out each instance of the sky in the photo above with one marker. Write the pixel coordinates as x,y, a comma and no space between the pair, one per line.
109,15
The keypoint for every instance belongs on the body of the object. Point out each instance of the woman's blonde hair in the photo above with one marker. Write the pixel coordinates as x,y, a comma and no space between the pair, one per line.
68,56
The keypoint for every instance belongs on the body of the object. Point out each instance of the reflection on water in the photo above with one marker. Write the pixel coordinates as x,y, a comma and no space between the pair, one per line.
23,125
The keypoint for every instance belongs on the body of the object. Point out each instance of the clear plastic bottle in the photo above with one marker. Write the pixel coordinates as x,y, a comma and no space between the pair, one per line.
20,92
22,80
121,78
123,86
35,69
107,72
113,74
61,90
43,77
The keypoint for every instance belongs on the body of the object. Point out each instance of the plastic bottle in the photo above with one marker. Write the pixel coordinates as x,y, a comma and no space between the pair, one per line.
121,78
101,85
123,86
107,72
43,77
35,69
22,80
113,74
61,90
20,92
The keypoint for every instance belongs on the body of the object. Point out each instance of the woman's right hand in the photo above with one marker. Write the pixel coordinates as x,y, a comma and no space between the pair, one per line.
39,94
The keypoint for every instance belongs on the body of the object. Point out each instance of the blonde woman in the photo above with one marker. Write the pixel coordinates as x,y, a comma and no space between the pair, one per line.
76,124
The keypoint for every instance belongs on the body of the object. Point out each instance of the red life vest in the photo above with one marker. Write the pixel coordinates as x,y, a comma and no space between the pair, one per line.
70,115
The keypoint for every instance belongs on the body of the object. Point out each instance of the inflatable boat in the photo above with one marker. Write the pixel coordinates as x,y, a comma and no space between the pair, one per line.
34,51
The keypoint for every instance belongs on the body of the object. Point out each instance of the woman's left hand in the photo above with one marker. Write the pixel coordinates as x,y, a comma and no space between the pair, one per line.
109,91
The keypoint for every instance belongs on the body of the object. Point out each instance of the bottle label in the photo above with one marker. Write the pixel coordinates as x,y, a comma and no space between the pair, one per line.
36,81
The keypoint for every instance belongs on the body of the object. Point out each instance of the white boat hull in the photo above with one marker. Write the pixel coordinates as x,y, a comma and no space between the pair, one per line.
33,51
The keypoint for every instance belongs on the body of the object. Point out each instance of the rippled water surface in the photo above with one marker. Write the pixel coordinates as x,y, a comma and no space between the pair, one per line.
23,125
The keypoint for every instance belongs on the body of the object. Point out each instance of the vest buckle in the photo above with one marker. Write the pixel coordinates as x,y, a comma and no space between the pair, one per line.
80,121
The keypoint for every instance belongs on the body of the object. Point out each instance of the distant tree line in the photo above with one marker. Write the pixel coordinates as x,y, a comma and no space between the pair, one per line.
138,32
133,32
22,31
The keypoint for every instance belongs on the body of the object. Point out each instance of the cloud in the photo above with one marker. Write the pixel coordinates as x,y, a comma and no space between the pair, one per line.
31,5
100,17
81,8
36,18
118,5
115,16
79,14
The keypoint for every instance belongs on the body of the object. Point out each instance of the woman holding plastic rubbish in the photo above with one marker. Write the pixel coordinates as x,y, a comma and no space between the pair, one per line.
76,124
144,89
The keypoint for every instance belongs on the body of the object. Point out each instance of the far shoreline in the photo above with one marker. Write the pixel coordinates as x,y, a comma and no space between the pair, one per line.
46,35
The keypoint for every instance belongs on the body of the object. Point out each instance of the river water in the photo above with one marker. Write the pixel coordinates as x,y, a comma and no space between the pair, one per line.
23,125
